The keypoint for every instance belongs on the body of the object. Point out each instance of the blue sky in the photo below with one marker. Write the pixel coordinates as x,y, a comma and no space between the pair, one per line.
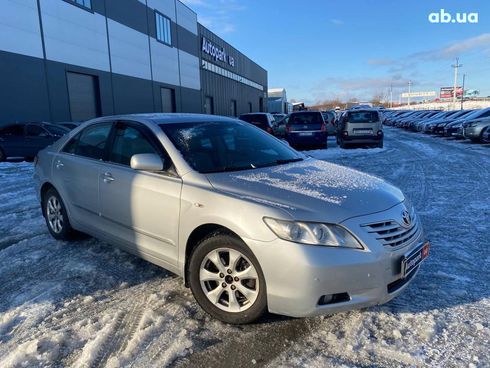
354,48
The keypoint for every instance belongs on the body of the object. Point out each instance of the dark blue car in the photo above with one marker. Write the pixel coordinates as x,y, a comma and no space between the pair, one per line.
306,129
25,140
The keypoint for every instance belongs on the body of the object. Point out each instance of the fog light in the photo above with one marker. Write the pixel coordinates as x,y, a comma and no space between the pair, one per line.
325,299
334,298
380,132
345,133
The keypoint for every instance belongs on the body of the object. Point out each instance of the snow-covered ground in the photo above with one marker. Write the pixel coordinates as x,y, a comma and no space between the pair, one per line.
86,304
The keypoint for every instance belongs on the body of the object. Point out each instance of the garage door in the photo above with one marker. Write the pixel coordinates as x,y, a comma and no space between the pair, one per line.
83,93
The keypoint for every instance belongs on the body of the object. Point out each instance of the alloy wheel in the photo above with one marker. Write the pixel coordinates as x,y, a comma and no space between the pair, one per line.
229,280
54,214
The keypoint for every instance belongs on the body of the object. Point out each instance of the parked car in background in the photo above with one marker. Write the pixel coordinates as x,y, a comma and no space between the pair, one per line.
433,126
249,223
306,129
24,140
261,120
329,118
452,128
474,129
360,127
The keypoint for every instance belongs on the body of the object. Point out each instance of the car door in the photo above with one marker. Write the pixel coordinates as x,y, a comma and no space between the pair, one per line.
76,173
140,208
35,139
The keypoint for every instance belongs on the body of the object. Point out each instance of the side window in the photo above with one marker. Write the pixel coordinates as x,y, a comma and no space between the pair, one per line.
12,131
71,146
93,141
129,141
35,131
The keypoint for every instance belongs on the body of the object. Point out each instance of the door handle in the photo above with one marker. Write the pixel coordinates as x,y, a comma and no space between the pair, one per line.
108,178
59,164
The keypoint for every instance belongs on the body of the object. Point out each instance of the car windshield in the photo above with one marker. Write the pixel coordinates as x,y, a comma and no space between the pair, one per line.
211,147
56,130
363,117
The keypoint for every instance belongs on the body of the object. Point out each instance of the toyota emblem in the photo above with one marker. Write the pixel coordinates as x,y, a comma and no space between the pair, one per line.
407,220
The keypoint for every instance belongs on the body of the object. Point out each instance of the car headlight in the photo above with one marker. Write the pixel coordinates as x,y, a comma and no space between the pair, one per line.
472,124
313,233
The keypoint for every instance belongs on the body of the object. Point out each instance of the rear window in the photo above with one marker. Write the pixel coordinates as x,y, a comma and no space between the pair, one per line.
363,117
306,118
255,118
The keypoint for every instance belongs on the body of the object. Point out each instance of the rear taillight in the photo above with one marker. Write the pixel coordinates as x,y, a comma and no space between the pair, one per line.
324,127
269,130
288,128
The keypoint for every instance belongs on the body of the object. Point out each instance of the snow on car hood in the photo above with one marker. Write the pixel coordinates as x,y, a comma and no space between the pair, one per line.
311,190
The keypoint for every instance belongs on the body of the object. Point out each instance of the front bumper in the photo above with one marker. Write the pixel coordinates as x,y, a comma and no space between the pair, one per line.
298,276
362,139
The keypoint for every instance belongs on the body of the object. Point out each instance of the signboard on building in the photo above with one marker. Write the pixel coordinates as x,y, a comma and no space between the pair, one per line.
216,52
448,92
419,94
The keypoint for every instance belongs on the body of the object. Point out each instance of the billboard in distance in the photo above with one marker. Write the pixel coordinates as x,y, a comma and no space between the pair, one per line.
448,92
419,94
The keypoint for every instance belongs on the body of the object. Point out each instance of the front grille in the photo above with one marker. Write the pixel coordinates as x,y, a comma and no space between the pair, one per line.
392,234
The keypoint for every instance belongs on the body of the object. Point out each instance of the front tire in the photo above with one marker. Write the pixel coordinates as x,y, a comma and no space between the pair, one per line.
227,281
56,216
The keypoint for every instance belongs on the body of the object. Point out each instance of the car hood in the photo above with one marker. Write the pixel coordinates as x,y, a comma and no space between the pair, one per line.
311,190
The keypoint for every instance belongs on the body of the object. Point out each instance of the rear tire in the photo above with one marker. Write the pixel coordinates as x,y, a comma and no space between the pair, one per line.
2,156
226,280
56,216
342,144
380,144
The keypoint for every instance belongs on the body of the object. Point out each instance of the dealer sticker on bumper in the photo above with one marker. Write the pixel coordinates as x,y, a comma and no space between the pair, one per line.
413,259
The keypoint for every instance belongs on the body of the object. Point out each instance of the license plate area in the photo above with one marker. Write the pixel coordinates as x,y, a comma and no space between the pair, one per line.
363,131
413,259
306,134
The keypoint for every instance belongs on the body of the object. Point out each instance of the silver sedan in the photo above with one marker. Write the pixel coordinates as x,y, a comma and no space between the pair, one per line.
249,223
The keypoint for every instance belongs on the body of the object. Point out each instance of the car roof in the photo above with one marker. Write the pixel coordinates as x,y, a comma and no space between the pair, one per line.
167,118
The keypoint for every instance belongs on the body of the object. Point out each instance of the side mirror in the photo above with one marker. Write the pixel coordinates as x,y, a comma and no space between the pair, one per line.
147,162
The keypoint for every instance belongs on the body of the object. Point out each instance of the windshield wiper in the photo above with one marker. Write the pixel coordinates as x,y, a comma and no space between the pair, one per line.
281,162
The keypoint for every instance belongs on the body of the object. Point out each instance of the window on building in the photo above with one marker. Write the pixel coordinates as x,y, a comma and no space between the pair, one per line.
168,99
164,28
233,108
209,105
83,3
